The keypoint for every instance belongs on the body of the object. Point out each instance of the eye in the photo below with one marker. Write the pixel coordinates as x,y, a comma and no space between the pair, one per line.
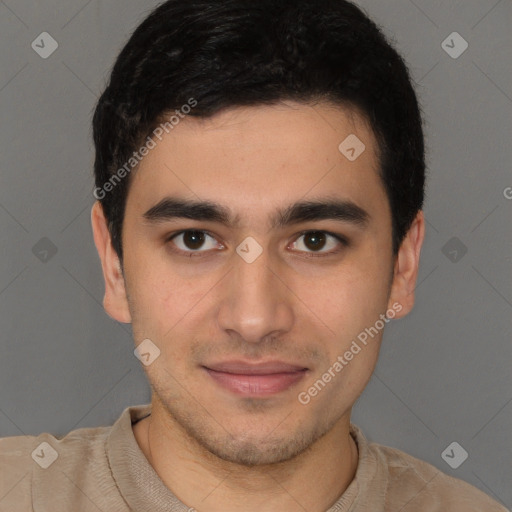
315,241
194,241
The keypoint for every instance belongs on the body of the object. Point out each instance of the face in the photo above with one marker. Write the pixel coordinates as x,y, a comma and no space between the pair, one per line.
266,262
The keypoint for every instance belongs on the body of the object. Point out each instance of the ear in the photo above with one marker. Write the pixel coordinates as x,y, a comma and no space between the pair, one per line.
115,300
406,267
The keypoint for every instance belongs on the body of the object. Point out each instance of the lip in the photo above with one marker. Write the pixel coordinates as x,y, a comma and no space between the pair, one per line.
255,379
246,368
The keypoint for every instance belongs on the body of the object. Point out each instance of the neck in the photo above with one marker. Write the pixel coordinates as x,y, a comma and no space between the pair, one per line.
312,481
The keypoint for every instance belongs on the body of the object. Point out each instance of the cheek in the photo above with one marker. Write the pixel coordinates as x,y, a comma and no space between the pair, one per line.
172,311
347,299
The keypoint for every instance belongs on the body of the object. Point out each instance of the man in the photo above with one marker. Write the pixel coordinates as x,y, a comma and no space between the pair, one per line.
260,177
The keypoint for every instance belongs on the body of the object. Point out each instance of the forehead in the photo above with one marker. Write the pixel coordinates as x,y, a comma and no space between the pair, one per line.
252,159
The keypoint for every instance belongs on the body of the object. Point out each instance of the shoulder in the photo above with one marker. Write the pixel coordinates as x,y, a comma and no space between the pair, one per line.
15,473
418,485
32,463
24,451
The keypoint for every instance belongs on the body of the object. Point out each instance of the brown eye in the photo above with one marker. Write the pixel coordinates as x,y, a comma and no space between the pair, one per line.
311,242
315,240
191,241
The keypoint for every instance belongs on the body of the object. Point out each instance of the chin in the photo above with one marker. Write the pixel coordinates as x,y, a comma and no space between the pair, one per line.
252,454
256,449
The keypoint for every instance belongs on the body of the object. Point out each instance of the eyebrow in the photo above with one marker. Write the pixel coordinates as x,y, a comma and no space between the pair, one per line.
170,208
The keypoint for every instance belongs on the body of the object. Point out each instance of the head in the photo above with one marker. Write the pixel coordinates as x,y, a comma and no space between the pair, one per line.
296,242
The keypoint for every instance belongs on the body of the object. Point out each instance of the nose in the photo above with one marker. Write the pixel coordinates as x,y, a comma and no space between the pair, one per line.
256,302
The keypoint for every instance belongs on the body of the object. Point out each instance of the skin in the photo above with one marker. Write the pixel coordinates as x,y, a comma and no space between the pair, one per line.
215,450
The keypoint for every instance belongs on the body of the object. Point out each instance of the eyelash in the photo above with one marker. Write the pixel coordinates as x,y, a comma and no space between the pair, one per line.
341,239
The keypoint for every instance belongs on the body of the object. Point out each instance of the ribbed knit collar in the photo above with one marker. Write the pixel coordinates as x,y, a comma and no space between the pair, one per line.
144,491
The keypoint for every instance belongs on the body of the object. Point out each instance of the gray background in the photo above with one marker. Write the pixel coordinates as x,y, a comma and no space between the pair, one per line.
445,371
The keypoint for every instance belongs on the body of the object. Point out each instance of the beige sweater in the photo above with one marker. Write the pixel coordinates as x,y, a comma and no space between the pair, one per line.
103,470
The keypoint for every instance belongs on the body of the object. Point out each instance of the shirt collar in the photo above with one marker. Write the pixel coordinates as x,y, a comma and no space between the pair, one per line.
144,491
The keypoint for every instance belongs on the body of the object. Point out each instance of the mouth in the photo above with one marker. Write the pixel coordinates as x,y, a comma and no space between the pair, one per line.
255,379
